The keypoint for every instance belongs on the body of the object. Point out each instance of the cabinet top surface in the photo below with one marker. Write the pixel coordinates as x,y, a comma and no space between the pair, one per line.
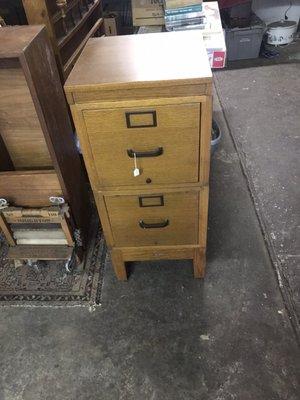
141,60
15,39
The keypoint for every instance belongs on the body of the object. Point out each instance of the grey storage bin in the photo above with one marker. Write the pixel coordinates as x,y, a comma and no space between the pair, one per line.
243,43
241,10
239,15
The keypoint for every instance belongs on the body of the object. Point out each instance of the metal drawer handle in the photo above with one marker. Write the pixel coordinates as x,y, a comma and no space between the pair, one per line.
151,153
163,224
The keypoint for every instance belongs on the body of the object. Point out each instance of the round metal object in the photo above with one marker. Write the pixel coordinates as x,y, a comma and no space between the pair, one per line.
281,32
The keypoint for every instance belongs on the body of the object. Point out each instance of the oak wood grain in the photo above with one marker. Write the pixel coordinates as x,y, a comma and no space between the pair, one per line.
177,132
140,93
143,253
119,264
199,261
134,74
139,60
205,140
179,209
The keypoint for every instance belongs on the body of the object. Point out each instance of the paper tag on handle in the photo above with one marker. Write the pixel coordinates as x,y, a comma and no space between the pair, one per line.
136,172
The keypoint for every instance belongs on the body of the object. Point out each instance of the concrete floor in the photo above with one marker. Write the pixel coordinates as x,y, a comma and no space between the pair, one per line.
163,335
262,111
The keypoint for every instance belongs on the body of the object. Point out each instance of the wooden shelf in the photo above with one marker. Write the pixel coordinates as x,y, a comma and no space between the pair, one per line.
71,4
69,64
39,252
35,126
66,43
62,42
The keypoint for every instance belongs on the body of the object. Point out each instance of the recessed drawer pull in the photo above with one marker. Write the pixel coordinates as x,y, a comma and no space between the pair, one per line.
155,225
151,153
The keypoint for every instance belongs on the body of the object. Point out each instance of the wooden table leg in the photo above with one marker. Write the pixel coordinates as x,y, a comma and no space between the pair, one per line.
119,265
199,262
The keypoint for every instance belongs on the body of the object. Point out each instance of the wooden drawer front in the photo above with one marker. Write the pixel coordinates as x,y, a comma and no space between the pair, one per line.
29,188
169,133
167,219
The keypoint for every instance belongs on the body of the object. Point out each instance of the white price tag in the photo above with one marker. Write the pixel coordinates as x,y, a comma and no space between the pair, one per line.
136,170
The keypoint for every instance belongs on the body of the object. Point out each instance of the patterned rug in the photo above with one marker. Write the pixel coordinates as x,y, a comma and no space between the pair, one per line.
49,284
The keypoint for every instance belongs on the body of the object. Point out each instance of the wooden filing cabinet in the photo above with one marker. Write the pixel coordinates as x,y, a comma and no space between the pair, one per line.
144,101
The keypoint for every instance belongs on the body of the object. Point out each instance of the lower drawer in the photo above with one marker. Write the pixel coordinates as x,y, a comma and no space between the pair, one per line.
158,219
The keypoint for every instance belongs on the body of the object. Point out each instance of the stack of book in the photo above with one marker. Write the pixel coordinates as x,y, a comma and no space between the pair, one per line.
184,14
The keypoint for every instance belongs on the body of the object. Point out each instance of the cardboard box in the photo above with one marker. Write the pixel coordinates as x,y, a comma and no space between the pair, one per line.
213,18
213,35
216,49
111,25
147,12
149,29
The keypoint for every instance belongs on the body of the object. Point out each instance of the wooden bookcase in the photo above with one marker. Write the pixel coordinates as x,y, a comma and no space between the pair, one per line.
38,154
69,23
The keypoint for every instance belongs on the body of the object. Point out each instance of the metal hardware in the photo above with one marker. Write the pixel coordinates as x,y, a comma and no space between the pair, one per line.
129,114
148,180
151,153
68,265
78,237
3,203
56,200
62,6
154,225
159,204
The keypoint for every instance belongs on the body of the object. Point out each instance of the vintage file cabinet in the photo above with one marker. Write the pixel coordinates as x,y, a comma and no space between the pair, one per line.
142,108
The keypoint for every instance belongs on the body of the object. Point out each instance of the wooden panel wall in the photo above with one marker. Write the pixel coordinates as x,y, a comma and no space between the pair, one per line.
19,125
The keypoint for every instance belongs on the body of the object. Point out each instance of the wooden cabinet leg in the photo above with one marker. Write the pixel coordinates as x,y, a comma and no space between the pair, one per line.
199,262
119,265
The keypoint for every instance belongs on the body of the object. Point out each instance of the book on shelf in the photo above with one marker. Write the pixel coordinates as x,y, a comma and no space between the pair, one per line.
183,17
193,23
181,3
183,10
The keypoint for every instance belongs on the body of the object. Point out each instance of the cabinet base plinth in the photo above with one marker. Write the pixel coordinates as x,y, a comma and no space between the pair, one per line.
123,254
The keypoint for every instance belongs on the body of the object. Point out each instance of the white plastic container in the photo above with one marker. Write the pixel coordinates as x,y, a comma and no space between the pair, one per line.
281,32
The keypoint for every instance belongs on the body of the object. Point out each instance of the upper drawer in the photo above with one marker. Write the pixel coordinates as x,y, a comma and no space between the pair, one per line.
163,140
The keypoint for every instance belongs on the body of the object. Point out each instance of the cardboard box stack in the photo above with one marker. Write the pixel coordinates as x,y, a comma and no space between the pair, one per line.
212,30
147,12
111,23
183,14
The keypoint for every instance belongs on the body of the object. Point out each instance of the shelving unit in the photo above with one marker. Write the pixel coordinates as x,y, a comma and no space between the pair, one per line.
70,23
39,162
